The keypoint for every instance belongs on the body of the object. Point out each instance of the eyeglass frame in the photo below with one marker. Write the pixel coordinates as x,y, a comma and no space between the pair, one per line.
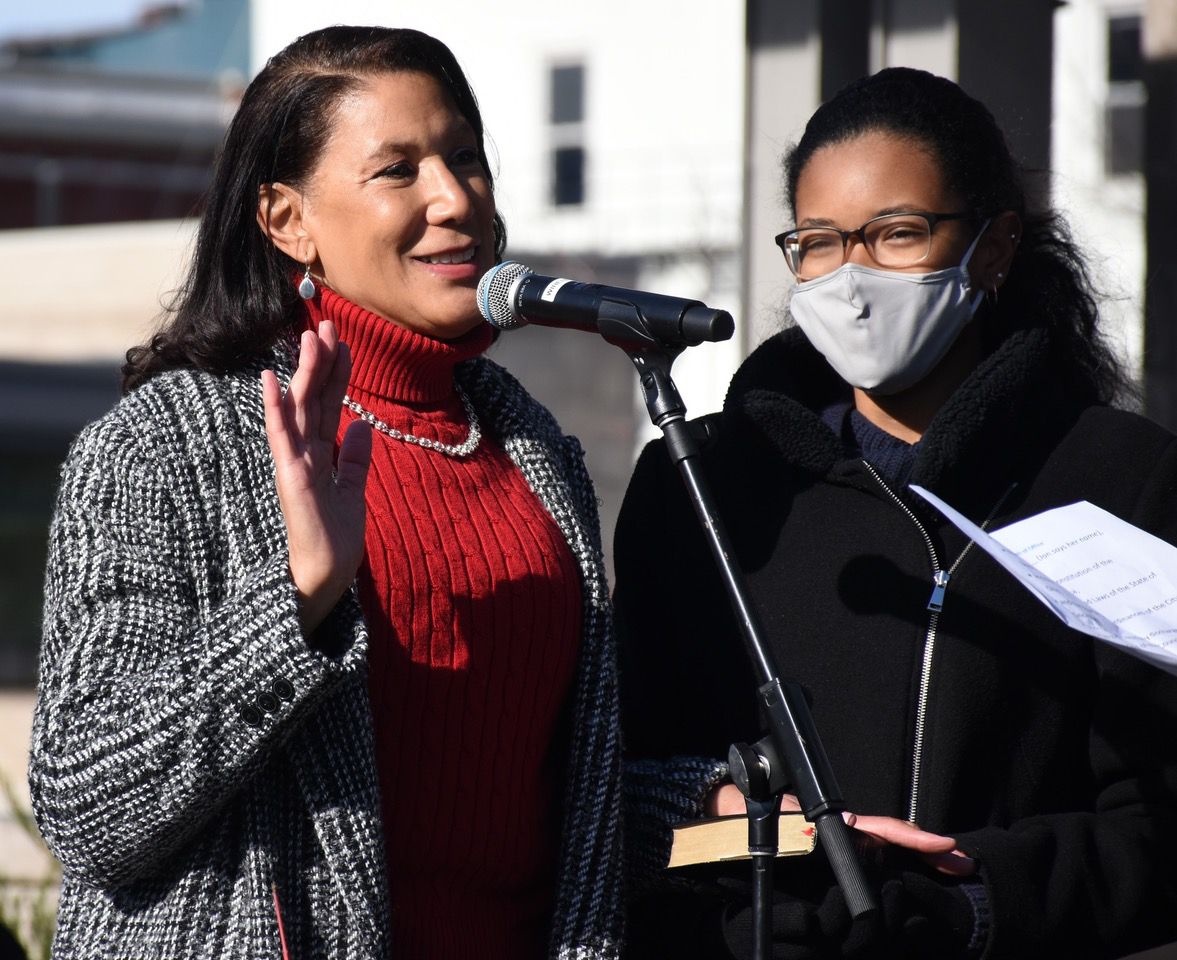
933,219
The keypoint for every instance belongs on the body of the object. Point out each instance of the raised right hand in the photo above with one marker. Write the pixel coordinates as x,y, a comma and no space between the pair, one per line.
322,500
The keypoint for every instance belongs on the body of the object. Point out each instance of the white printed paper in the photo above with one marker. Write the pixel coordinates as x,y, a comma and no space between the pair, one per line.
1098,573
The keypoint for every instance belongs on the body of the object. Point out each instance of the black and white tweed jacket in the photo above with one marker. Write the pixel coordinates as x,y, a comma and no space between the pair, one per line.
192,756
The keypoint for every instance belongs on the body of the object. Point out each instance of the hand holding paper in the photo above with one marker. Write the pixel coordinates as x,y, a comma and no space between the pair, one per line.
1098,573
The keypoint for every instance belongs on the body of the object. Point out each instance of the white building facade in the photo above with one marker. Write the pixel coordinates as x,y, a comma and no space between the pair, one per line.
1097,153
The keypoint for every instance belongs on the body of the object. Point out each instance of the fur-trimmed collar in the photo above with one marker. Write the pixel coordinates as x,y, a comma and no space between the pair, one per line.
992,431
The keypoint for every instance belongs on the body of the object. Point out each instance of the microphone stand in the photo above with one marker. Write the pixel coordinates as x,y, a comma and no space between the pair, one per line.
791,755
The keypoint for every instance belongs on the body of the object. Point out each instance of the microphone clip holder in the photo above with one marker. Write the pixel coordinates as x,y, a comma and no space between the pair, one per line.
621,324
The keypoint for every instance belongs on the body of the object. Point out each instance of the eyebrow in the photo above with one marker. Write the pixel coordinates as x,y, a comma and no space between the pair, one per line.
386,148
456,130
886,211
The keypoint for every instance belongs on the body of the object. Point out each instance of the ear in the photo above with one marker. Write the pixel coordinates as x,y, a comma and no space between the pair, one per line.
995,251
280,217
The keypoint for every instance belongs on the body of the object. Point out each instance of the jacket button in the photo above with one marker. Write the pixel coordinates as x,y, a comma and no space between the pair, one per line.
267,701
283,689
251,715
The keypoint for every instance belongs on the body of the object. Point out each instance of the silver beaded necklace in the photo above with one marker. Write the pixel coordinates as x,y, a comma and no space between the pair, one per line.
459,450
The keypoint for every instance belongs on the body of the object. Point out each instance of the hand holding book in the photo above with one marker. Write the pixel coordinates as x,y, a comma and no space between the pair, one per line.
723,837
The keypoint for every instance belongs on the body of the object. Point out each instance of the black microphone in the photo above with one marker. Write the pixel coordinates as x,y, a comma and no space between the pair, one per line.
510,296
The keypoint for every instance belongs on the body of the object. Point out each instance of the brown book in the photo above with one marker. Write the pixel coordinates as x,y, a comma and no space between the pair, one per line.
726,838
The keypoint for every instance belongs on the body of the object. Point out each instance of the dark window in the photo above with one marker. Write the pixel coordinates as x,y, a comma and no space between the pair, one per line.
1123,124
568,179
568,94
1123,133
1124,58
567,135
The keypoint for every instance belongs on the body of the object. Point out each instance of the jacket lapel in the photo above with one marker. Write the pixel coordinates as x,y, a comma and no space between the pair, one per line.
334,762
333,757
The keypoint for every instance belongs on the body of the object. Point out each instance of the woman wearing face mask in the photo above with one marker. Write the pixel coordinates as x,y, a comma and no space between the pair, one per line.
239,753
945,335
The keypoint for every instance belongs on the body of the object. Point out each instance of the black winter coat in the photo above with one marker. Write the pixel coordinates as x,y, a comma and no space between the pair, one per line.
1050,756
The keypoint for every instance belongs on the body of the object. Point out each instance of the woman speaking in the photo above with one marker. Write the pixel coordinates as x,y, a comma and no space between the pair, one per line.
236,752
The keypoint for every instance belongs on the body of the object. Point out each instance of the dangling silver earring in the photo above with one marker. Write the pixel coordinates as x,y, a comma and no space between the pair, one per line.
306,286
993,292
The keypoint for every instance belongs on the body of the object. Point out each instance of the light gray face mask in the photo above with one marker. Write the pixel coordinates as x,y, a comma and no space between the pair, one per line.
884,331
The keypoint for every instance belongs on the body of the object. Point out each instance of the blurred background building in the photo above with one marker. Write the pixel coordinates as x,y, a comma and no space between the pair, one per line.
637,143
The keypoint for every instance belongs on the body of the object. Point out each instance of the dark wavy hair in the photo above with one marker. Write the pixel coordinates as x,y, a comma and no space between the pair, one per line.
1049,283
238,297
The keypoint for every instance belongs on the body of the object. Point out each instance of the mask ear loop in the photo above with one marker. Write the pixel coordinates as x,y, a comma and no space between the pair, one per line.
968,254
964,264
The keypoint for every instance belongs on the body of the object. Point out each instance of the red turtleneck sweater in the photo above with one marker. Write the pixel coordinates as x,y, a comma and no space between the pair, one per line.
472,600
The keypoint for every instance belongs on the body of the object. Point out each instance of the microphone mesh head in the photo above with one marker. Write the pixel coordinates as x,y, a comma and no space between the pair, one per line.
494,295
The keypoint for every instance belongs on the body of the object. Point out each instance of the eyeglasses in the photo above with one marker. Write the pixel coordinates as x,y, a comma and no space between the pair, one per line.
893,241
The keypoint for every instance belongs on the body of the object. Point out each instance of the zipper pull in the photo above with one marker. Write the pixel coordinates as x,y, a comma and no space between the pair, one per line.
940,581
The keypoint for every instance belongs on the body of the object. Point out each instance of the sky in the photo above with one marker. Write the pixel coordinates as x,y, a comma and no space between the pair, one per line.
45,17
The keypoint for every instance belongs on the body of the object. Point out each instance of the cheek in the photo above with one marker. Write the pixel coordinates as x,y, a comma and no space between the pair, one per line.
393,225
483,196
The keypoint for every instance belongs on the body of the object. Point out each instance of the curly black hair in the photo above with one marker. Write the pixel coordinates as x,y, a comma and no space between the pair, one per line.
1049,283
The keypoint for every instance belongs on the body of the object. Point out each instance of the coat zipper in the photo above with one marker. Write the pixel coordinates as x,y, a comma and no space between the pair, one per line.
940,578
